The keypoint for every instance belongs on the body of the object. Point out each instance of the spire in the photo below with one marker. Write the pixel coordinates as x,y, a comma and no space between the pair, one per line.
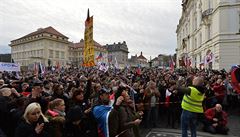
88,17
88,14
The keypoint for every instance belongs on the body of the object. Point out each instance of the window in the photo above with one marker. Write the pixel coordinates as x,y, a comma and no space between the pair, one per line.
200,39
209,4
209,32
239,22
57,54
200,58
41,53
195,43
195,21
62,55
50,53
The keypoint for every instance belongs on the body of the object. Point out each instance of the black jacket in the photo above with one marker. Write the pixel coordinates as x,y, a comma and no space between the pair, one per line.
28,130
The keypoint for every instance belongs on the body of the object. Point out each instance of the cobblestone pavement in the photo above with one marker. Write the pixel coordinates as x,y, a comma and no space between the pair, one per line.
163,130
177,133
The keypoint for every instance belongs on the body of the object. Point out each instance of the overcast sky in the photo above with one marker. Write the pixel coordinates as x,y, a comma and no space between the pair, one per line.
146,25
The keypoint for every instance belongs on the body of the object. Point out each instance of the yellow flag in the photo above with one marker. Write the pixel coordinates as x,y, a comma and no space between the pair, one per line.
88,52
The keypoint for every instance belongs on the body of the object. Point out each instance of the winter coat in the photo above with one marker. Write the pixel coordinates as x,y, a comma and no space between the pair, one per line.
25,129
211,113
126,118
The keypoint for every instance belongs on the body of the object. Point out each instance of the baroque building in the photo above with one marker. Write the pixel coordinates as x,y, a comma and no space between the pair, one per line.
208,34
50,47
136,61
76,53
46,45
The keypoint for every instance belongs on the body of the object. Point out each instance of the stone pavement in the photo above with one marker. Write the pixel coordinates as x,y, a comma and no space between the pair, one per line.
159,132
165,131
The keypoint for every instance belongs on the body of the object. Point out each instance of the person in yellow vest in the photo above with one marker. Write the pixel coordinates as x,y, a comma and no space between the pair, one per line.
192,105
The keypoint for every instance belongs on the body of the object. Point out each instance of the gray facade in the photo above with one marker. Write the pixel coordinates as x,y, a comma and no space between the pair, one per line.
119,51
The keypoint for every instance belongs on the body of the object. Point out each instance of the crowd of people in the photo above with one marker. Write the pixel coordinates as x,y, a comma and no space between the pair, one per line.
93,103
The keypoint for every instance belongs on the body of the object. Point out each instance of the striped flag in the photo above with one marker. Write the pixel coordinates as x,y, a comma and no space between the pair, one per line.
172,64
99,56
101,114
35,69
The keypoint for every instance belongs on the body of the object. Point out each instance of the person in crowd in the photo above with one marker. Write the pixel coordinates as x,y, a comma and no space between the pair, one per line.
210,99
2,83
56,116
34,123
192,105
5,99
219,90
25,89
216,120
47,87
151,96
36,95
76,125
79,100
174,108
17,109
129,120
106,115
58,92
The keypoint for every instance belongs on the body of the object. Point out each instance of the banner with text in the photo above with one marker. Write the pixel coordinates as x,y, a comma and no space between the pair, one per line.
9,66
88,53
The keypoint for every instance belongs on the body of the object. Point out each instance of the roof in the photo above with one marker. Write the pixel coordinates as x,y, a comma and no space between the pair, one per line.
81,44
141,57
49,30
155,59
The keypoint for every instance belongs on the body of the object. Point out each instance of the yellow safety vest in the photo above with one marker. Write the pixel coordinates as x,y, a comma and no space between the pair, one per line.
193,102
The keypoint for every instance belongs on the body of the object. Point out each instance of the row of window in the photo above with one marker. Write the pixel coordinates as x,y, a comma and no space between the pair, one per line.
56,54
28,54
28,46
37,36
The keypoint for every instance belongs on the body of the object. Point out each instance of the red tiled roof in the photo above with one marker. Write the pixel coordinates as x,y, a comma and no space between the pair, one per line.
49,30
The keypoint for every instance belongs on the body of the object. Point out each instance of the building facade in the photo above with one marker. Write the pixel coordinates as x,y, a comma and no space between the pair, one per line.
135,61
76,53
208,34
117,52
46,45
50,47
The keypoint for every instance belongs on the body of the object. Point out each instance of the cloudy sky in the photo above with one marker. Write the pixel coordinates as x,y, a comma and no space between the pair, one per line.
146,25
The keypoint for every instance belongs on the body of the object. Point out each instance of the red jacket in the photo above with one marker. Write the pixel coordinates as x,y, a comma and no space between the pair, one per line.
235,75
210,114
220,89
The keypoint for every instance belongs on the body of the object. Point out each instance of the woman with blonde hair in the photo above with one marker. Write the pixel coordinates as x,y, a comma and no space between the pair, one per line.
34,123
